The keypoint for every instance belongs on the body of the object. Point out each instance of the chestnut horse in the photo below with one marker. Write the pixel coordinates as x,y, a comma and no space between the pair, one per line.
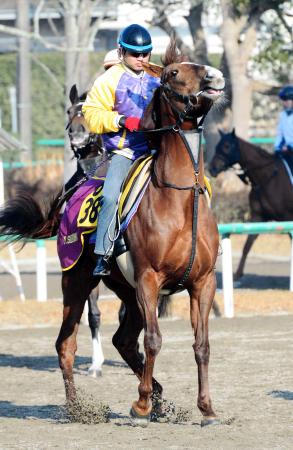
271,195
173,239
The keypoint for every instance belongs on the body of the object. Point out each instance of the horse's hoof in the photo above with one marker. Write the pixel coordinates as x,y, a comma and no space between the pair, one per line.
209,421
95,373
139,421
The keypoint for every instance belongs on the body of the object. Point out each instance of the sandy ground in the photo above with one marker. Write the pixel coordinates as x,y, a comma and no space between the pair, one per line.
250,370
15,314
251,382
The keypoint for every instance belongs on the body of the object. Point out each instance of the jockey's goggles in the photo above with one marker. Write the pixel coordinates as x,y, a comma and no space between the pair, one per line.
138,54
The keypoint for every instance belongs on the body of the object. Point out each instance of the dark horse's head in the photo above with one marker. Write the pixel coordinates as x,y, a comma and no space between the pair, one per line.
227,153
83,143
185,85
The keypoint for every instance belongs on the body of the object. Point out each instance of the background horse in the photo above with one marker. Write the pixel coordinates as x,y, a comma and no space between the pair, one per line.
173,239
271,195
88,150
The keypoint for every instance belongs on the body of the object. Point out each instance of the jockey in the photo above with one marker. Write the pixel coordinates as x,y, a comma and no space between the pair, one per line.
113,108
284,139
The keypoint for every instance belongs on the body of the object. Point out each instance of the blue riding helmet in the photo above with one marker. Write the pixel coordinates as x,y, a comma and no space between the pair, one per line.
286,93
135,38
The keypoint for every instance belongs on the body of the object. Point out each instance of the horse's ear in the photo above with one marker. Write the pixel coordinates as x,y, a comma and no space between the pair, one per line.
152,69
73,95
221,132
83,97
233,132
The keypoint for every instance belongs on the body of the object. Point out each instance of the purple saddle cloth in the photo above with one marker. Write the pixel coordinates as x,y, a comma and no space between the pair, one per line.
80,217
81,213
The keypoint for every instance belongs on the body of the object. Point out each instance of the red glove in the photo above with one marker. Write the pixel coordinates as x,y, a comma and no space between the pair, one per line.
131,123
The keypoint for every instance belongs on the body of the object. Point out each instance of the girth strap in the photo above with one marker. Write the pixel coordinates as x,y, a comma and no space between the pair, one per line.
193,244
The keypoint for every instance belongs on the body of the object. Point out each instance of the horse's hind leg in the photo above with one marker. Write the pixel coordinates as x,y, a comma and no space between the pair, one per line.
76,288
94,318
246,249
200,306
121,314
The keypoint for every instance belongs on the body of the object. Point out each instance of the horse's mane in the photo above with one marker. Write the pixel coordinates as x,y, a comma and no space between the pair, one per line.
172,54
261,151
151,118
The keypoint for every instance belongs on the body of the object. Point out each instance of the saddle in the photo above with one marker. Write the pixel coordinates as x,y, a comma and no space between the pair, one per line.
81,216
287,159
81,213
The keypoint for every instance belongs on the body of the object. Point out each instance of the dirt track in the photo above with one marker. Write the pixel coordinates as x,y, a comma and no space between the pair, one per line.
250,377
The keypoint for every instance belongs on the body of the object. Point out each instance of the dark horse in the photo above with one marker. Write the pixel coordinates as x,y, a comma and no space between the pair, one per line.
271,195
173,239
89,153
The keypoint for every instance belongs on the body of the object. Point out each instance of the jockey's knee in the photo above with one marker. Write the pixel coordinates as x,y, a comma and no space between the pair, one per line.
109,198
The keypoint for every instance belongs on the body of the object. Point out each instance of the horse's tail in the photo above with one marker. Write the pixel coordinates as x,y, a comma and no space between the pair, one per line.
23,218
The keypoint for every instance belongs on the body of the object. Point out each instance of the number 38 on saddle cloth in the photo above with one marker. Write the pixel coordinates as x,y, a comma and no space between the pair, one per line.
81,213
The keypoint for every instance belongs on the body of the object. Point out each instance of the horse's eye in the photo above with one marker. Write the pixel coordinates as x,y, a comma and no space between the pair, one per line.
226,148
174,73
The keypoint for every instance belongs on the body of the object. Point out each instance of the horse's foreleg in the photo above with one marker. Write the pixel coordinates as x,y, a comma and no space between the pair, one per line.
200,306
74,297
246,249
94,318
147,295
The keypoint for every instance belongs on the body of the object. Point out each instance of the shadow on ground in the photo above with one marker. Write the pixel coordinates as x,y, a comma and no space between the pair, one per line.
49,363
259,282
286,395
11,410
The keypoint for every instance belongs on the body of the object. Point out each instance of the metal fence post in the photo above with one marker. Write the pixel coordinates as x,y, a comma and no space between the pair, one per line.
227,276
291,264
15,272
41,271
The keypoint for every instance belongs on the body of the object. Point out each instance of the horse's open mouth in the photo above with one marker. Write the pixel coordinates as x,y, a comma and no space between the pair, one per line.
212,93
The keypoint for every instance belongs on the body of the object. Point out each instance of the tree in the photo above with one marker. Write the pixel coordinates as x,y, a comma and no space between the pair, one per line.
240,30
241,26
24,80
80,29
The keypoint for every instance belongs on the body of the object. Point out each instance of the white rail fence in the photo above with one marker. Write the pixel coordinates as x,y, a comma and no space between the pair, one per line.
225,230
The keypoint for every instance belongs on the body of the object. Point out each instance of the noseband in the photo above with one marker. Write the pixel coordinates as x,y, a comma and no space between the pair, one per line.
185,99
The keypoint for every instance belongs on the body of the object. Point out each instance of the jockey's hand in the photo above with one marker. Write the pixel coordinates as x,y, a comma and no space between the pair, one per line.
131,123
